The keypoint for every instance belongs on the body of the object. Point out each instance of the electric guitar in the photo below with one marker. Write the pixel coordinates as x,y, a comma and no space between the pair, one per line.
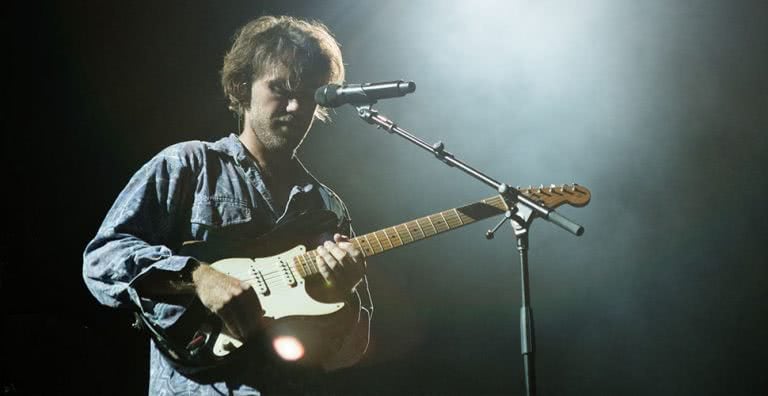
294,299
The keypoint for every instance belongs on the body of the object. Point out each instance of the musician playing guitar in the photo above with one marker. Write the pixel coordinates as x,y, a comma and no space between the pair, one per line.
231,194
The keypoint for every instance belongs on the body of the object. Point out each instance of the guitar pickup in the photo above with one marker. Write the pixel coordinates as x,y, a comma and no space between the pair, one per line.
287,273
258,282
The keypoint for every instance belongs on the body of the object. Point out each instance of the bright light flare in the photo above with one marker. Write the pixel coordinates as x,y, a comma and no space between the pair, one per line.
289,348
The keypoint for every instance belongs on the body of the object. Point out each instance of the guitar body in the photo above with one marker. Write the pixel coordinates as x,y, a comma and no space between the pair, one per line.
300,308
282,293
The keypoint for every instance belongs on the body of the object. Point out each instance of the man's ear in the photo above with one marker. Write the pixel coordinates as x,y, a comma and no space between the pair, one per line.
243,88
241,93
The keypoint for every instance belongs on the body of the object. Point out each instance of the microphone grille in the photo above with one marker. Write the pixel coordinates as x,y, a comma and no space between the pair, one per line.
406,87
326,95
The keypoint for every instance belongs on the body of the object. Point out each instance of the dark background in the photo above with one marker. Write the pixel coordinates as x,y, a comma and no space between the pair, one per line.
659,107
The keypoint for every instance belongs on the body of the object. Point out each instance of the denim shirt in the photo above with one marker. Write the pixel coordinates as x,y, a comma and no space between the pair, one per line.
195,191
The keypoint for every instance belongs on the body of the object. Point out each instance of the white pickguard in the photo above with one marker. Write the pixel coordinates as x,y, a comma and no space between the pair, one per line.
282,292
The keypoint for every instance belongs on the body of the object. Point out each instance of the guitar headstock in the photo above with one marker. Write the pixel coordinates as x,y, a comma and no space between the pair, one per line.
554,196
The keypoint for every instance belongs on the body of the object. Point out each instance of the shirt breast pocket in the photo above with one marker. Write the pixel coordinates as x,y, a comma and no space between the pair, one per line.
217,214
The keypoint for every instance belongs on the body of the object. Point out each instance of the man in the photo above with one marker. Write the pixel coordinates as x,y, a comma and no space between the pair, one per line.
236,188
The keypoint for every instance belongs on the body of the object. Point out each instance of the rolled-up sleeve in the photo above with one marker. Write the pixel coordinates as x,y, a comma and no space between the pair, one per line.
138,235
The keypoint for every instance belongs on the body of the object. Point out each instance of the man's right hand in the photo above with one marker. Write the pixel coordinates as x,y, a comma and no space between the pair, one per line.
234,301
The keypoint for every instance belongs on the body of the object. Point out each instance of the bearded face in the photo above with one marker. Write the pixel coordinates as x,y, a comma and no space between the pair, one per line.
280,115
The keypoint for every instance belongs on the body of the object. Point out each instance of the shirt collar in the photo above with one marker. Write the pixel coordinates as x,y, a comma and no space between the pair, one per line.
232,146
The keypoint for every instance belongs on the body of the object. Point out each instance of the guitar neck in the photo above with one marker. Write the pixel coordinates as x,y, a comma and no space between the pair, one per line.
406,233
424,227
403,234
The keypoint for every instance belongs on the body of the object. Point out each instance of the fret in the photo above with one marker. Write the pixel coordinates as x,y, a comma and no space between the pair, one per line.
415,230
452,218
378,242
312,262
365,247
382,236
309,258
447,222
477,211
497,202
423,234
459,216
307,264
372,243
298,266
409,238
393,236
425,227
501,204
431,224
304,259
359,246
439,223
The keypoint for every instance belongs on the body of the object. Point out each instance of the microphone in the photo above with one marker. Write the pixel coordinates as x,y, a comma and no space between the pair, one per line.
333,95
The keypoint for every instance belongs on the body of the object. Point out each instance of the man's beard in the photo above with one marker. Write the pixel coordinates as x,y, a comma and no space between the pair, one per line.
274,141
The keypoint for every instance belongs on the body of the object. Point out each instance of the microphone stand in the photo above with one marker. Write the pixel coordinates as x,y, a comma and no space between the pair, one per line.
521,214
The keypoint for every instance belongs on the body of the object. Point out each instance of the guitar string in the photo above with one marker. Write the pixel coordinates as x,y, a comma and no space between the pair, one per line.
275,287
278,274
271,276
268,276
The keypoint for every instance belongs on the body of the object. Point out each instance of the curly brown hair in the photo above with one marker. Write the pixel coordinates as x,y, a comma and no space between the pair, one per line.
306,47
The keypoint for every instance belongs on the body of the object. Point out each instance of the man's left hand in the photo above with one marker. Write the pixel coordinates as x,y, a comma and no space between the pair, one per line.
341,263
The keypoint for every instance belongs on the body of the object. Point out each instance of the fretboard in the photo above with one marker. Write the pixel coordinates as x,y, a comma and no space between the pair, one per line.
403,234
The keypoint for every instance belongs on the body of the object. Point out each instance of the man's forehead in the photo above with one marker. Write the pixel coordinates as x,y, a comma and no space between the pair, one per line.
281,74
